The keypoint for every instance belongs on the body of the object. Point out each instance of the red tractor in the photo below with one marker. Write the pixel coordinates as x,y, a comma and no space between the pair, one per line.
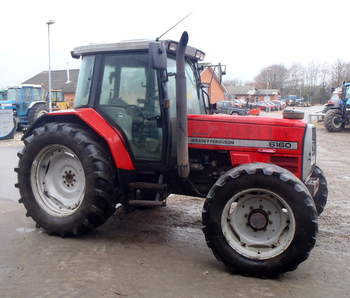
140,130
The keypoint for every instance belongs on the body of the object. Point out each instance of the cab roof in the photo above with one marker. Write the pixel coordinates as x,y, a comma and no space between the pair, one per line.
133,45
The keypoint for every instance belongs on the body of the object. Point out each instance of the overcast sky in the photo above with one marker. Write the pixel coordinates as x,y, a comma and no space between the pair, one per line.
245,35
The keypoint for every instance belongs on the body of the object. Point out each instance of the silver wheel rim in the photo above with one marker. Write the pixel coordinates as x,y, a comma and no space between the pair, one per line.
58,180
258,224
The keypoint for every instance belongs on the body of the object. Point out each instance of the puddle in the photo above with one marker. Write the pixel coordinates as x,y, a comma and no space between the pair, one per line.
25,230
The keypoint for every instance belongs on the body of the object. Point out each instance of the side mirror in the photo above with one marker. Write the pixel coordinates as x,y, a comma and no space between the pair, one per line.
158,56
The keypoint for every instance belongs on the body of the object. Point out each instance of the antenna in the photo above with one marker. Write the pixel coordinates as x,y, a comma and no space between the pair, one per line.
185,17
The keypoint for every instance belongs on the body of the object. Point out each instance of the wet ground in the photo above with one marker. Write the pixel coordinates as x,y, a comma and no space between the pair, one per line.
162,252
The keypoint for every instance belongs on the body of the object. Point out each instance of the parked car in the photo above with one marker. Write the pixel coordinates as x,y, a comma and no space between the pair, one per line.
279,104
262,105
227,107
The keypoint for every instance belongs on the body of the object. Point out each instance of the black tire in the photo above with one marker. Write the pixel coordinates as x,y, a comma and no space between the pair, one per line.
320,198
36,111
235,113
329,118
98,202
277,180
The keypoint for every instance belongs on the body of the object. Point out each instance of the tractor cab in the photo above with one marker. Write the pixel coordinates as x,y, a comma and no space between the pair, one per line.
3,95
346,95
58,101
137,96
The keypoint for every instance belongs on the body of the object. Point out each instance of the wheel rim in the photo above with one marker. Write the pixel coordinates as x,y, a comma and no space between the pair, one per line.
58,180
258,224
337,122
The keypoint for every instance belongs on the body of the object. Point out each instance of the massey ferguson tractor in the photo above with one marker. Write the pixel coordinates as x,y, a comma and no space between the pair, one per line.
140,130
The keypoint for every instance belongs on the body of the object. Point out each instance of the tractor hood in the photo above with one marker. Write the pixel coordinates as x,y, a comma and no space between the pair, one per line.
252,120
244,133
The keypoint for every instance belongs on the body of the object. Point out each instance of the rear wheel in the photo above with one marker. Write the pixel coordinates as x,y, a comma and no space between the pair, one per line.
260,220
36,111
333,120
65,178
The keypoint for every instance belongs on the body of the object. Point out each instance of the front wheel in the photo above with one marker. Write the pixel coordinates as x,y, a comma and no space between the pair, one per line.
260,220
320,198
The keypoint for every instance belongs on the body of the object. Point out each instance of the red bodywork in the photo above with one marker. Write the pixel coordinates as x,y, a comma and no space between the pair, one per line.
252,129
112,136
216,127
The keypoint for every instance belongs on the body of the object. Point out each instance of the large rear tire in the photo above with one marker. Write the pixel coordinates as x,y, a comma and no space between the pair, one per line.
260,220
333,120
320,198
66,179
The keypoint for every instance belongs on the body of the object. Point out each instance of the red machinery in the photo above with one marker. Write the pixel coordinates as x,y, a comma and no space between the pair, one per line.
141,130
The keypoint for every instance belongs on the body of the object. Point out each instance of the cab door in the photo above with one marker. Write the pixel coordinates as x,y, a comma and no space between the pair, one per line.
129,99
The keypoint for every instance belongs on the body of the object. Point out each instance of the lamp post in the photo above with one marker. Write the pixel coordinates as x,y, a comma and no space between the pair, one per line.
50,22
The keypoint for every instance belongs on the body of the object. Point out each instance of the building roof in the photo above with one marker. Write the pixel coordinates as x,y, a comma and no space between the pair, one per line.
250,90
240,90
268,92
58,80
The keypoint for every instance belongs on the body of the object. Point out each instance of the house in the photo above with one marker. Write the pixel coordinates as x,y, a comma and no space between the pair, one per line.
64,80
216,91
251,93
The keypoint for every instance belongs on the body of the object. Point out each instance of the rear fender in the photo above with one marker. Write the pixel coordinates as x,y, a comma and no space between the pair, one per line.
95,122
35,102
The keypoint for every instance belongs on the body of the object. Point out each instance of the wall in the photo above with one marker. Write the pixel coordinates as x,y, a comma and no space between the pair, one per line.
215,91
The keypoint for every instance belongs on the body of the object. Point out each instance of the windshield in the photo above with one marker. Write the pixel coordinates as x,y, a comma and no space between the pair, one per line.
2,96
12,94
84,81
194,102
36,94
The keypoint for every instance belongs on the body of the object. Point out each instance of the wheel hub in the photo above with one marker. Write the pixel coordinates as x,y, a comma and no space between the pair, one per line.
258,219
68,178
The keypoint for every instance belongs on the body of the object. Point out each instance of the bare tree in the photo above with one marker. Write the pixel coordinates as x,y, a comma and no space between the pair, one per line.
233,83
272,77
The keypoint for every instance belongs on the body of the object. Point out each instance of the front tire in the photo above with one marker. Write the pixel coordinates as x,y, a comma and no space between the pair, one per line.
260,220
333,120
320,198
65,178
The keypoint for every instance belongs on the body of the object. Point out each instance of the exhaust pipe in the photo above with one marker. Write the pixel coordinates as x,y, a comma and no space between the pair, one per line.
181,109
